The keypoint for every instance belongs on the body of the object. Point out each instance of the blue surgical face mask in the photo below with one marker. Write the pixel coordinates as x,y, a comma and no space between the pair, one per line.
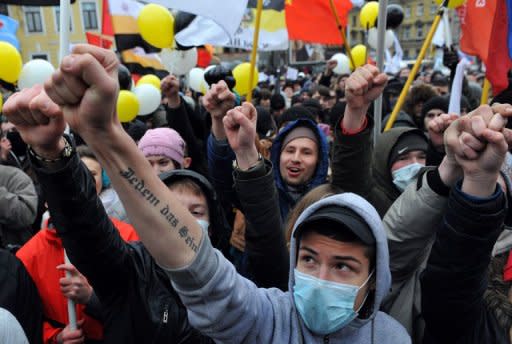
204,225
405,175
325,306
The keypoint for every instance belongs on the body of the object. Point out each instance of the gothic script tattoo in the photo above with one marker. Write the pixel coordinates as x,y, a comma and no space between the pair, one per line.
165,211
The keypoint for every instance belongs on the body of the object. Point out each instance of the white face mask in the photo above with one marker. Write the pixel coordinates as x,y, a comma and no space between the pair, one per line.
204,225
405,175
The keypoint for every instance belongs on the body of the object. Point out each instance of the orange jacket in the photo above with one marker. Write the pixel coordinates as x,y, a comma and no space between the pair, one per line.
41,255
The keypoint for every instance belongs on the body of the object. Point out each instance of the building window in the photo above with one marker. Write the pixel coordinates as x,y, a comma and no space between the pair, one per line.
354,20
407,32
433,9
407,10
413,54
419,10
419,31
33,19
90,16
57,20
40,56
353,36
4,9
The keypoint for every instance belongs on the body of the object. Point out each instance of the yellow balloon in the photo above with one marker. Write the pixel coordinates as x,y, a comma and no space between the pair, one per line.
156,25
127,106
368,15
11,64
241,75
359,55
452,3
149,79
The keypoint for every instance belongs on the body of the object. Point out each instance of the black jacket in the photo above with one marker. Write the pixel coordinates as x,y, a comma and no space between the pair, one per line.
455,279
267,255
188,124
139,303
18,294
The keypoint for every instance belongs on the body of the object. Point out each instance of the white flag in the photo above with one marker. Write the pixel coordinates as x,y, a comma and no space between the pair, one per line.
226,13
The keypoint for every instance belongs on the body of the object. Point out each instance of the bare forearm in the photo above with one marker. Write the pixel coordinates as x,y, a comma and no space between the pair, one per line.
167,229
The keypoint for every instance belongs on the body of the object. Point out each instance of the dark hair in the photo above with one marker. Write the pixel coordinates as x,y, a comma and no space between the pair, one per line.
85,152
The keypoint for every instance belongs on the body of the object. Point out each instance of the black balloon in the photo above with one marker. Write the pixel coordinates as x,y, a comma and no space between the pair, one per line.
395,16
218,73
125,78
181,21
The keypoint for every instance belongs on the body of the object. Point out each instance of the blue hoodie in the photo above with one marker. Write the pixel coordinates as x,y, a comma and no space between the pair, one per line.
228,308
286,202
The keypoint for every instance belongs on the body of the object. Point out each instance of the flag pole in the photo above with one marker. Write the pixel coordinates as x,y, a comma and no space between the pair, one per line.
65,13
255,40
416,67
485,92
381,37
341,29
71,303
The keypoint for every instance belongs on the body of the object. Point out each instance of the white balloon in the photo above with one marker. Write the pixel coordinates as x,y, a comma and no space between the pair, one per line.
373,39
196,80
343,64
149,98
179,62
35,72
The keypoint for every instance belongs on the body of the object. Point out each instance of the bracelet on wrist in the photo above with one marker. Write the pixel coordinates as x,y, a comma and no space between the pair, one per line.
237,167
65,153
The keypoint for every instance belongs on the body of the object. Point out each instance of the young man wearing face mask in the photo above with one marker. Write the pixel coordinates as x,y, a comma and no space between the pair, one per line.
379,173
220,303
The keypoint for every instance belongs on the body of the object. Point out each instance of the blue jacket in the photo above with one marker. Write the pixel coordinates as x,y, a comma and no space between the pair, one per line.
286,202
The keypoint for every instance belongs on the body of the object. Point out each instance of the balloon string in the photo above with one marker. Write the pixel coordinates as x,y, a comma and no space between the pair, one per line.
255,47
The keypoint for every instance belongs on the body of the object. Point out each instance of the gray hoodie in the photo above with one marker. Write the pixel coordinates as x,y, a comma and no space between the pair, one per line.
231,309
10,329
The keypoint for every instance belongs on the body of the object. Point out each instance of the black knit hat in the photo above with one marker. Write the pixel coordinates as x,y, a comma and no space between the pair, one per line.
437,102
410,141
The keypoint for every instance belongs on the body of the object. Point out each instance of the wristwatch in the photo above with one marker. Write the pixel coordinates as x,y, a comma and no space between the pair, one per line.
64,154
236,167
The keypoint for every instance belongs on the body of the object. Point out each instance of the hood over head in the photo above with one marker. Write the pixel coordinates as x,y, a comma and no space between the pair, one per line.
320,174
381,159
222,231
374,227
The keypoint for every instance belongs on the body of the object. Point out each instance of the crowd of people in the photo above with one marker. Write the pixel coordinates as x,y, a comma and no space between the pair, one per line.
279,220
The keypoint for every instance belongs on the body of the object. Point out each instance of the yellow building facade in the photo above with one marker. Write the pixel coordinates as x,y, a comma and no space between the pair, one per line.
38,31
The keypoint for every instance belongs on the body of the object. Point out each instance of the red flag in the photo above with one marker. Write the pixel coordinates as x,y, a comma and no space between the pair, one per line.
106,20
313,20
97,40
484,34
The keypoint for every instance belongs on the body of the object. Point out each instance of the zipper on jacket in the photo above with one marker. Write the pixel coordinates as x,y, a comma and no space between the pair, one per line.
326,339
166,315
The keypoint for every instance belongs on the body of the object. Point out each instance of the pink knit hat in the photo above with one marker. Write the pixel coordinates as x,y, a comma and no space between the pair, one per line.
163,141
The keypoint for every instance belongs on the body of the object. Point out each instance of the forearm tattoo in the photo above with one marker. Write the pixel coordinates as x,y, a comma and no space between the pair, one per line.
165,211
